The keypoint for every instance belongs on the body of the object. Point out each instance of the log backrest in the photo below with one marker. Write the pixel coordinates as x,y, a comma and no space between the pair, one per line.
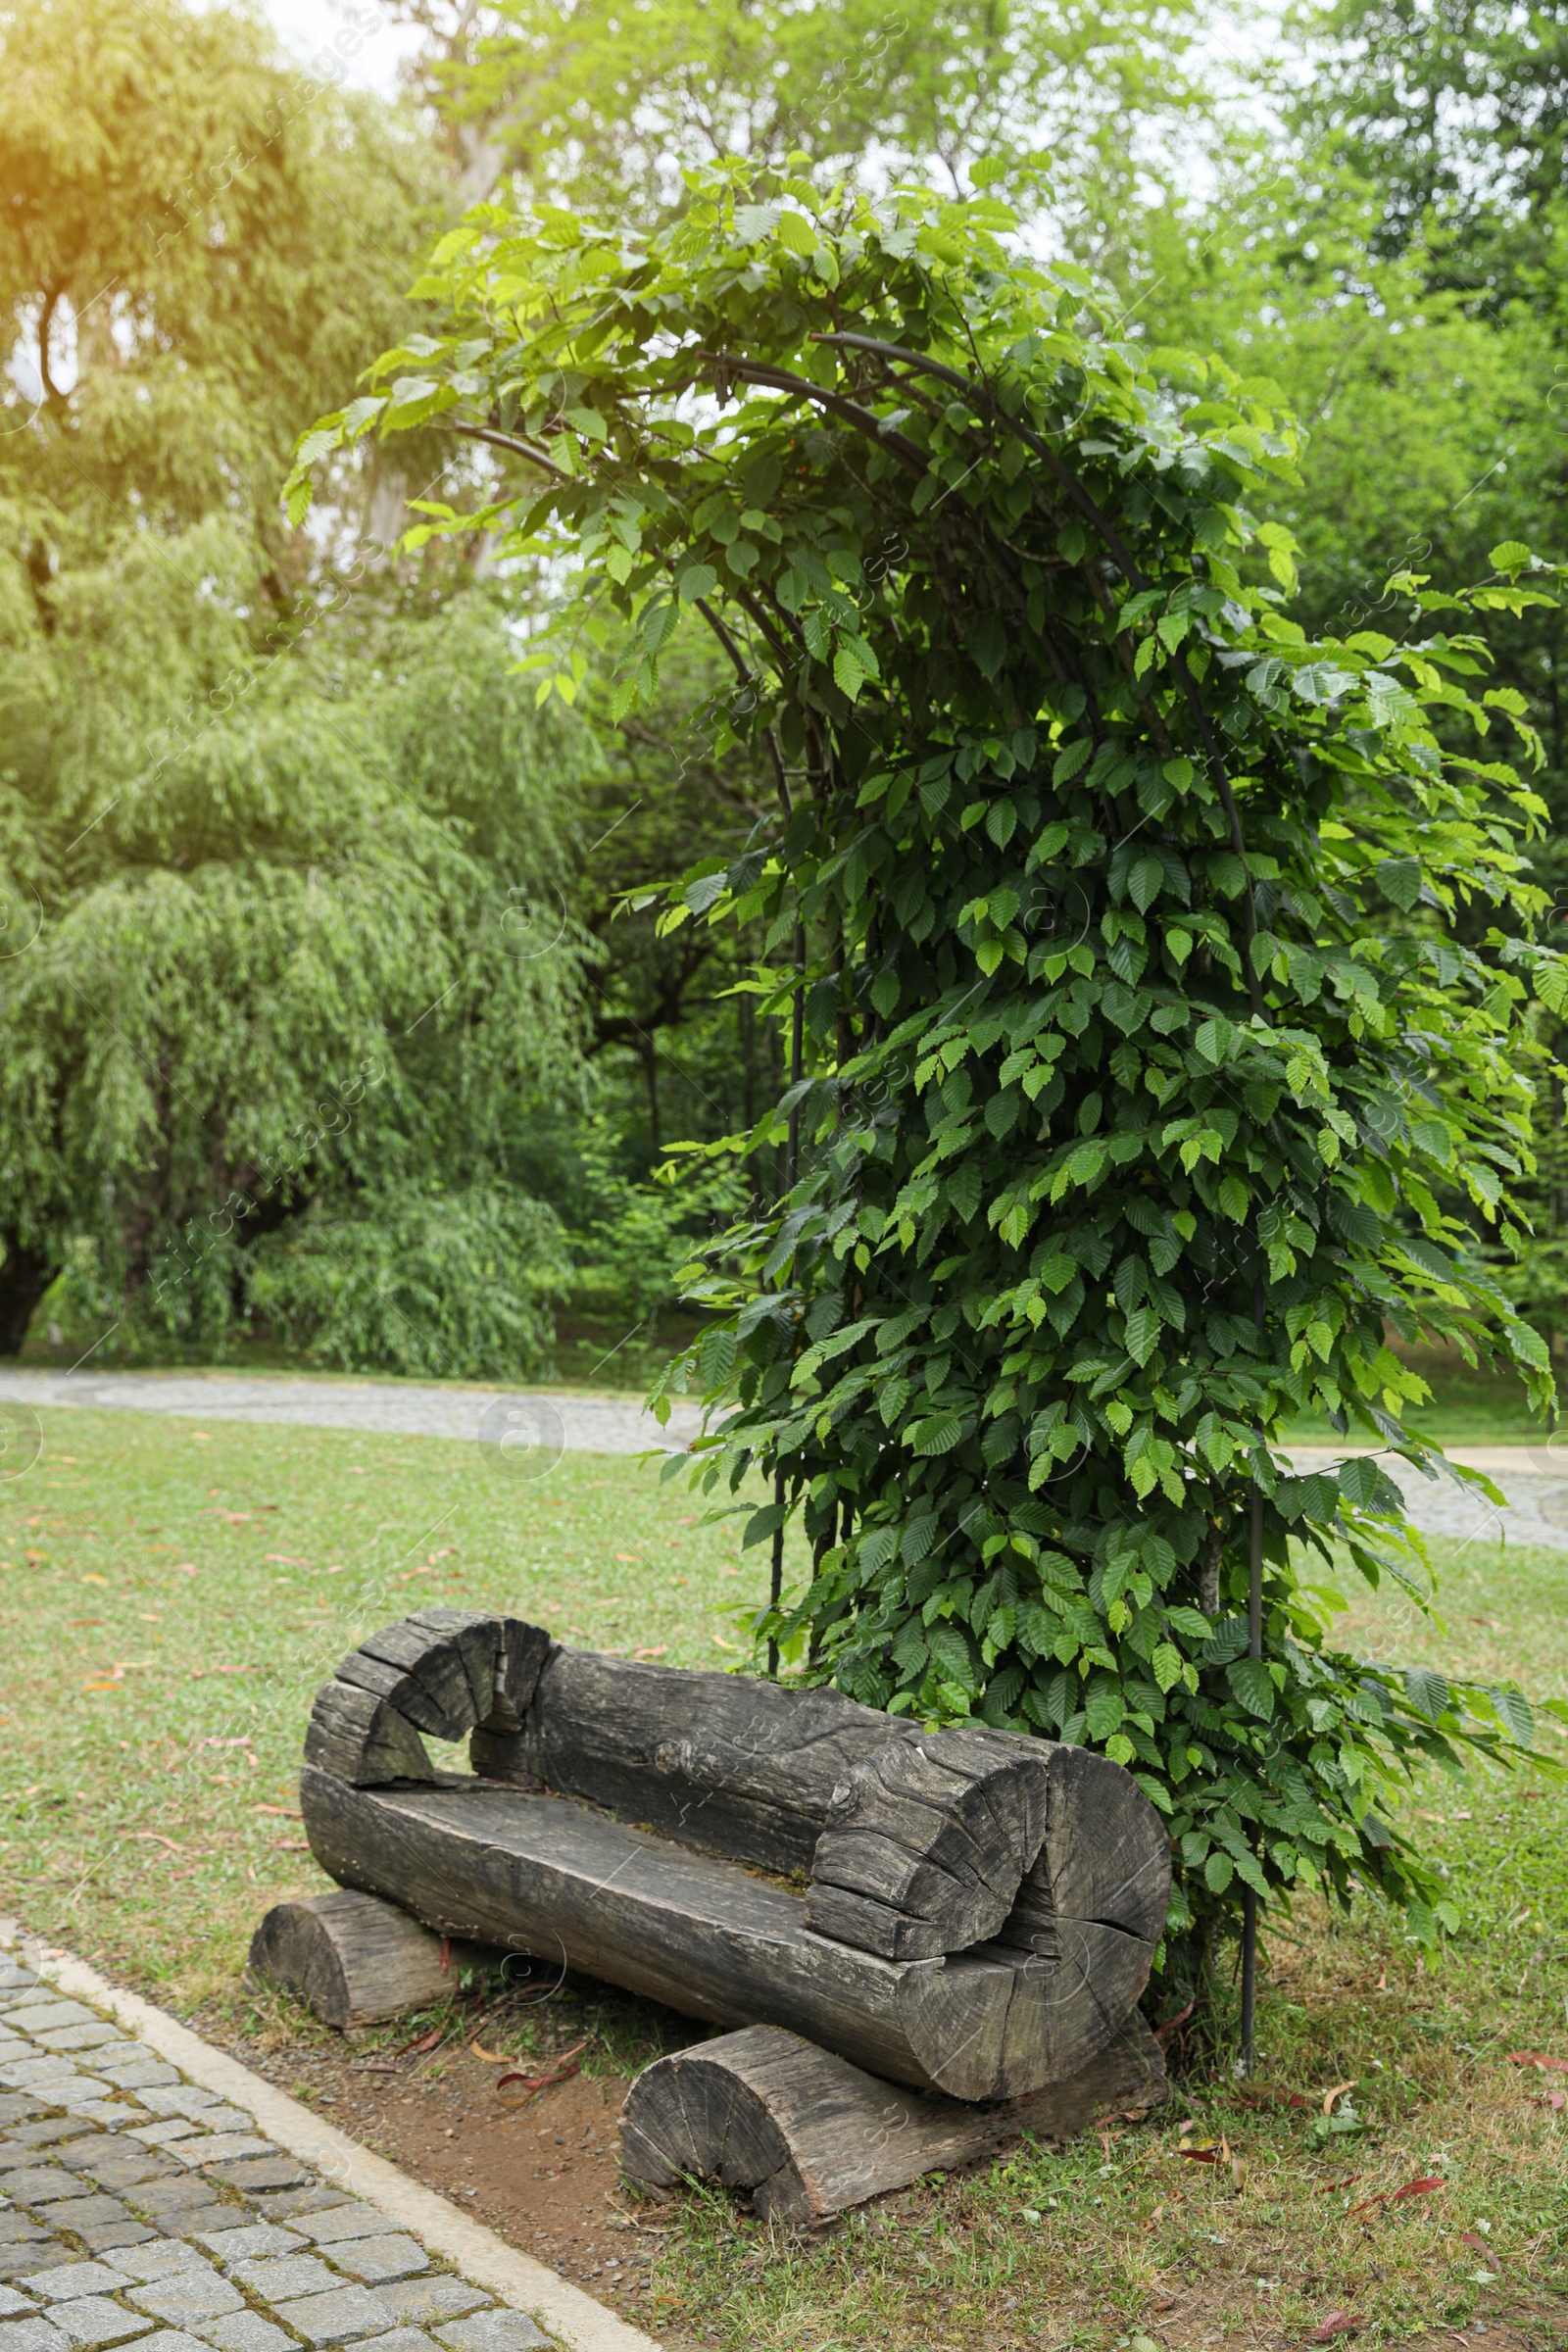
913,1843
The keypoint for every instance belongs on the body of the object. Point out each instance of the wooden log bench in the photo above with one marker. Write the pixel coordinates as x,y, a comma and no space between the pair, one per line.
970,1914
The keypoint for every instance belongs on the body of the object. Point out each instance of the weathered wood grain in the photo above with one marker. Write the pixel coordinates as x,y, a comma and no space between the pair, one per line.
1105,1855
806,2135
519,1662
441,1671
916,1843
1037,1874
935,1831
544,1875
351,1958
728,1763
362,1738
919,1841
434,1690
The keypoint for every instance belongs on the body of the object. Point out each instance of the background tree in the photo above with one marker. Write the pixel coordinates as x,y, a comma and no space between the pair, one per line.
1383,255
1126,1108
271,824
602,106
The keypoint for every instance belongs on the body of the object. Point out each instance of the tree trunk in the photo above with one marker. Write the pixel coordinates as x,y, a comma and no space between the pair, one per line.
917,1843
560,1880
807,2133
26,1274
353,1959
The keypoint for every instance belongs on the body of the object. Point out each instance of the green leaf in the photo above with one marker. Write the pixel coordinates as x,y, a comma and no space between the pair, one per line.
951,1652
1253,1686
1427,1691
1143,1332
1104,1711
937,1435
1399,880
796,235
1144,883
848,674
1516,1712
1167,1665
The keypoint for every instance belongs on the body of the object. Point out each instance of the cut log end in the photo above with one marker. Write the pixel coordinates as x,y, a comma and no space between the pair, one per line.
443,1672
352,1958
807,2136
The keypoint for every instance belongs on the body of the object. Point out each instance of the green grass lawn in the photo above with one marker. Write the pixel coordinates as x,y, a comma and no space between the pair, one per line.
173,1593
1466,1406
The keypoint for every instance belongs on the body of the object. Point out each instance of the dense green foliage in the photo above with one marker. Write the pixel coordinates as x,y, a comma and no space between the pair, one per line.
1146,1043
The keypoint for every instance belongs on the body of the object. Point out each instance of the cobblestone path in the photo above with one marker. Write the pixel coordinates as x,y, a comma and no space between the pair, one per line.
136,2208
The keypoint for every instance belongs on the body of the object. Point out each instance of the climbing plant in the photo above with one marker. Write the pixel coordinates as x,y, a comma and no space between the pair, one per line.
1146,1077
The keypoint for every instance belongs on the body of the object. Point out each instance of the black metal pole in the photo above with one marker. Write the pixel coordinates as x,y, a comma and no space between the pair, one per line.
792,1159
1254,1649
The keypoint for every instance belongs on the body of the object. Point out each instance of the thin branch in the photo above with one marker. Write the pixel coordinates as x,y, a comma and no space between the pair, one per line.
779,379
744,673
520,449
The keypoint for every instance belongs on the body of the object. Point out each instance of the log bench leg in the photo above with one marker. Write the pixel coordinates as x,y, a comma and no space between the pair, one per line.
353,1958
807,2135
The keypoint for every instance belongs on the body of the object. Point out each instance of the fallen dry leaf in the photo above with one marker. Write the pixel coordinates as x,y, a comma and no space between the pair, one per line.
1397,2196
1338,2323
566,2066
1536,2058
1338,2092
157,1837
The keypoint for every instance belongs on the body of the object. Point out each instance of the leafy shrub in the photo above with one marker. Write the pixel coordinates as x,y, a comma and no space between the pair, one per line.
1147,1072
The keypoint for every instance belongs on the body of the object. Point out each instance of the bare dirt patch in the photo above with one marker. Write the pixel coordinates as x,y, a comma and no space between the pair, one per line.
540,2170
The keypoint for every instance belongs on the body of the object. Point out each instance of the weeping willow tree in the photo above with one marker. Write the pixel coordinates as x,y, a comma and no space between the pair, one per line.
271,824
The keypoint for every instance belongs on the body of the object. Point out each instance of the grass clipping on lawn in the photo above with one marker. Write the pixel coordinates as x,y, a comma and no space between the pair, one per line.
173,1593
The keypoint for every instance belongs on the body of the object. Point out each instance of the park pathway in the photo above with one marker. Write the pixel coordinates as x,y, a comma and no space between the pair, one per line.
576,1424
1534,1479
158,2206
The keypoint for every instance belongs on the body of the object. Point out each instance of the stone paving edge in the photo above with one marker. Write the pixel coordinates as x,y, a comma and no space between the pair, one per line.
578,2318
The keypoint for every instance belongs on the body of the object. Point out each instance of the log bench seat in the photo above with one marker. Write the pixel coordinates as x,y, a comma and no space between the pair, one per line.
968,1913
